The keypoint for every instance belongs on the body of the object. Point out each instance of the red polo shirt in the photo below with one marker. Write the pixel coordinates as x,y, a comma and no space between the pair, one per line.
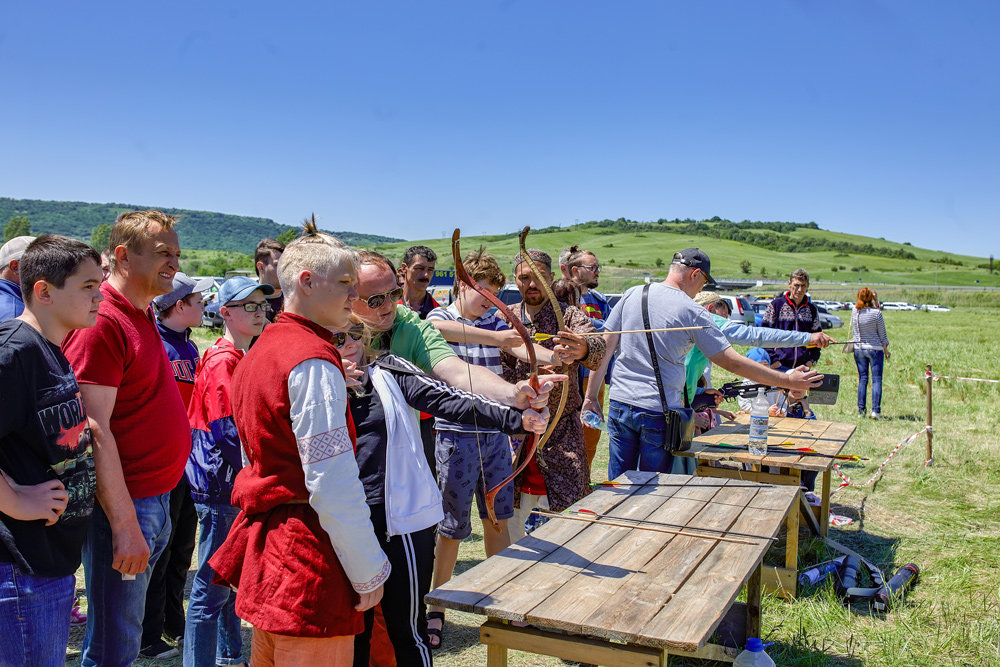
149,420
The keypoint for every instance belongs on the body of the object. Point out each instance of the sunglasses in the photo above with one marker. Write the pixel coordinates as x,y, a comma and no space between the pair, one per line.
376,300
253,307
593,268
355,332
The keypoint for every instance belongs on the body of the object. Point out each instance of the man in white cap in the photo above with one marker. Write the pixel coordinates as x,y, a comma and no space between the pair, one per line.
11,303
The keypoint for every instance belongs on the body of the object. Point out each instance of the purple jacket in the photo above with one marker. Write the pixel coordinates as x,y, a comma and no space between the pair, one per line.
781,313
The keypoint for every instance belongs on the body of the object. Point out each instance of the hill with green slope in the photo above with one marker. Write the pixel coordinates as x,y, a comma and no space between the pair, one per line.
748,251
198,230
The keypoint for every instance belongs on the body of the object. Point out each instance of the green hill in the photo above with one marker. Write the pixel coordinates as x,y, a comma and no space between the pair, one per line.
198,230
628,250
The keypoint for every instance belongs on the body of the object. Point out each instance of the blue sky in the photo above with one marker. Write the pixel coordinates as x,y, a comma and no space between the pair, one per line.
412,118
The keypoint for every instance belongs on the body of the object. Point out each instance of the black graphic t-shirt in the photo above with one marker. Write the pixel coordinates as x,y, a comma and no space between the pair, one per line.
43,435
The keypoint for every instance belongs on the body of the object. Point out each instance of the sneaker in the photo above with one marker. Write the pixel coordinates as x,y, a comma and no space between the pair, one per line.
159,650
77,617
875,414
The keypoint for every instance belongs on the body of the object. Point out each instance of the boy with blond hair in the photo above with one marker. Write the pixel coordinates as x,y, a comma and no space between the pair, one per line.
302,552
478,336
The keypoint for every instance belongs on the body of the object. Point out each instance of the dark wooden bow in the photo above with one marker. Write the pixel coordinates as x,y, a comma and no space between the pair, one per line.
561,326
530,442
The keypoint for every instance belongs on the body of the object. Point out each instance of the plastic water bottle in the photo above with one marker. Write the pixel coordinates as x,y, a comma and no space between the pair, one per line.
754,655
758,424
593,420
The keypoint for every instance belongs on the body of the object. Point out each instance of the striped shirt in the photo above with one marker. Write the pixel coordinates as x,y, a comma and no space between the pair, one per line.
868,329
487,356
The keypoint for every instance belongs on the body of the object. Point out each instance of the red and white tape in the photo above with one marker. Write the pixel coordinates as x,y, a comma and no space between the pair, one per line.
847,480
957,377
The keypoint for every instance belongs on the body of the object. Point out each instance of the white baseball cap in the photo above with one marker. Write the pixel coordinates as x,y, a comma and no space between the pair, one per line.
14,249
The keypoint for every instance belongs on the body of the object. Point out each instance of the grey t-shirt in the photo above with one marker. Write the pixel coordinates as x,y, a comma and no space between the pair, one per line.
632,382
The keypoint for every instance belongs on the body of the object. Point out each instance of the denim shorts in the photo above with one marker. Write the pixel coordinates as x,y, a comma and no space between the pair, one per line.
462,474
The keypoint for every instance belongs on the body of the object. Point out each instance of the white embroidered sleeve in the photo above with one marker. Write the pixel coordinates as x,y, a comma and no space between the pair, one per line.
318,398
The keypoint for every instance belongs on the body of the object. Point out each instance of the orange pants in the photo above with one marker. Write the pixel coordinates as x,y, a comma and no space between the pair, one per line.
591,436
271,650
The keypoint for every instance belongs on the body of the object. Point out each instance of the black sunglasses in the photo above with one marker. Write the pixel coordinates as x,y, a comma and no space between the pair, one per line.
376,300
355,332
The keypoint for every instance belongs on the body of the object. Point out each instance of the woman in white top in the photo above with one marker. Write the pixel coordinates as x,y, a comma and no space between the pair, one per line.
871,350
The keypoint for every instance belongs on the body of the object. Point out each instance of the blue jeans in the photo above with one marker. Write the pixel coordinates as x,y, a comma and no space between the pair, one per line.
636,441
115,606
212,630
863,359
34,617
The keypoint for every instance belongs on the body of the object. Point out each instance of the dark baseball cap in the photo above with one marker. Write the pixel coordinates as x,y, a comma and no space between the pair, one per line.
696,259
183,286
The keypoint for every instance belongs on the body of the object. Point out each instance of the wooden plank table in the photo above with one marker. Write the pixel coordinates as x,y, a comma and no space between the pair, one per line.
631,595
823,436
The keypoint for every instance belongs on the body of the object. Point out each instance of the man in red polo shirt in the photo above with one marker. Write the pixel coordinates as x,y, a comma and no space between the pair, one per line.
141,433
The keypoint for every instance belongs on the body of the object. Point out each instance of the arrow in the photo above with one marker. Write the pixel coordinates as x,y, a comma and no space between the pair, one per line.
539,337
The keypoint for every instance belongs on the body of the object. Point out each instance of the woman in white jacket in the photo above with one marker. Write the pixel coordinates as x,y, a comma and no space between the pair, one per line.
402,494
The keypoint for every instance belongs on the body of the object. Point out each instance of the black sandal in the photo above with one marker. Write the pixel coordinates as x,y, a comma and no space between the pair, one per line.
435,633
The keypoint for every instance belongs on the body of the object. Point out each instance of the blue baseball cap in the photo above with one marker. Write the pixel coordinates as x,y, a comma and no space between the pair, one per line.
759,355
238,288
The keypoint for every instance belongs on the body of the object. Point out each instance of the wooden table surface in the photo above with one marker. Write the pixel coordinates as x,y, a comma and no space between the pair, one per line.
632,584
825,437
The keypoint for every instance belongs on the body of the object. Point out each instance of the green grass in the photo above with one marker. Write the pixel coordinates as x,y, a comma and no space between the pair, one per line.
633,252
945,518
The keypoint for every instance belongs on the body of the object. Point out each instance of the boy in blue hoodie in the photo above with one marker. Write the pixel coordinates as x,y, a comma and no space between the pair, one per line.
212,635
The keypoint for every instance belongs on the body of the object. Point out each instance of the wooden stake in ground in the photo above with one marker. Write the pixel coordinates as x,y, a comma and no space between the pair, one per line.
930,432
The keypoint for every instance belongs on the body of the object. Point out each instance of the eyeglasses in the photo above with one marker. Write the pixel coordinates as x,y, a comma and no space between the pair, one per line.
594,268
376,300
355,332
253,307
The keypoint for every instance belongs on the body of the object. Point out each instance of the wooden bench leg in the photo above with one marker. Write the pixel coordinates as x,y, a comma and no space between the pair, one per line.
824,510
753,602
496,655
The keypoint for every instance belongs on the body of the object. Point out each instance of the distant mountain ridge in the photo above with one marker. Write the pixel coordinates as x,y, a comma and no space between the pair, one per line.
198,230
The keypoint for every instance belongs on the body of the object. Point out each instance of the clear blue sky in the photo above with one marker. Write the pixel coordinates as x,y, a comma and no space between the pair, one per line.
412,118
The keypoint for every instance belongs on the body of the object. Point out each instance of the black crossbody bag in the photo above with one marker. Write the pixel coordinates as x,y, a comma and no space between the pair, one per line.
679,423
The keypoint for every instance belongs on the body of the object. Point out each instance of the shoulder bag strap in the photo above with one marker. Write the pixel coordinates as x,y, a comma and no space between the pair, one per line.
652,349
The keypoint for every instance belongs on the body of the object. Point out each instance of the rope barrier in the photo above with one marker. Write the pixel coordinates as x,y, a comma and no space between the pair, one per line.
934,377
847,480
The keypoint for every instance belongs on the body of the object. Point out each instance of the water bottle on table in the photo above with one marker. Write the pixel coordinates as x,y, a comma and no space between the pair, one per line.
758,424
754,655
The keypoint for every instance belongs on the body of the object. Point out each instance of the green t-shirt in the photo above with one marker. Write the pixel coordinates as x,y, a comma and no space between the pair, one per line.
695,364
417,340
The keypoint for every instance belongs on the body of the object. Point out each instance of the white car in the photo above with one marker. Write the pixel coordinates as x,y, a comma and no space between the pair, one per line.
931,308
898,305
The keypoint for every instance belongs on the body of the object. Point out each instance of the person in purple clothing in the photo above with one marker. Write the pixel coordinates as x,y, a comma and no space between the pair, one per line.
177,312
793,311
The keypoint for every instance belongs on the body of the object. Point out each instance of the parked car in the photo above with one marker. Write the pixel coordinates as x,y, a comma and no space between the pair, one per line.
828,321
898,305
740,309
933,308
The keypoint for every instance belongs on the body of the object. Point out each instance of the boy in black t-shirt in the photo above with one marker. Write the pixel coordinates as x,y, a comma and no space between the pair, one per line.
48,483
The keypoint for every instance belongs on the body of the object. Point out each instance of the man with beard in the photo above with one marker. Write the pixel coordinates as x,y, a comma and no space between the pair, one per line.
582,267
565,476
265,260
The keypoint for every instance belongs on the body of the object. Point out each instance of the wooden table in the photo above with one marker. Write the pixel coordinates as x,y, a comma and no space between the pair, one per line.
639,595
822,436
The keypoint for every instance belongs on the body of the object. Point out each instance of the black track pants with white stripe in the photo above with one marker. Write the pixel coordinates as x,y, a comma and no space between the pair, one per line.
412,559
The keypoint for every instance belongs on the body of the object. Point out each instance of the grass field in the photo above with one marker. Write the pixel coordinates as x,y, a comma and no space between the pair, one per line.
945,518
